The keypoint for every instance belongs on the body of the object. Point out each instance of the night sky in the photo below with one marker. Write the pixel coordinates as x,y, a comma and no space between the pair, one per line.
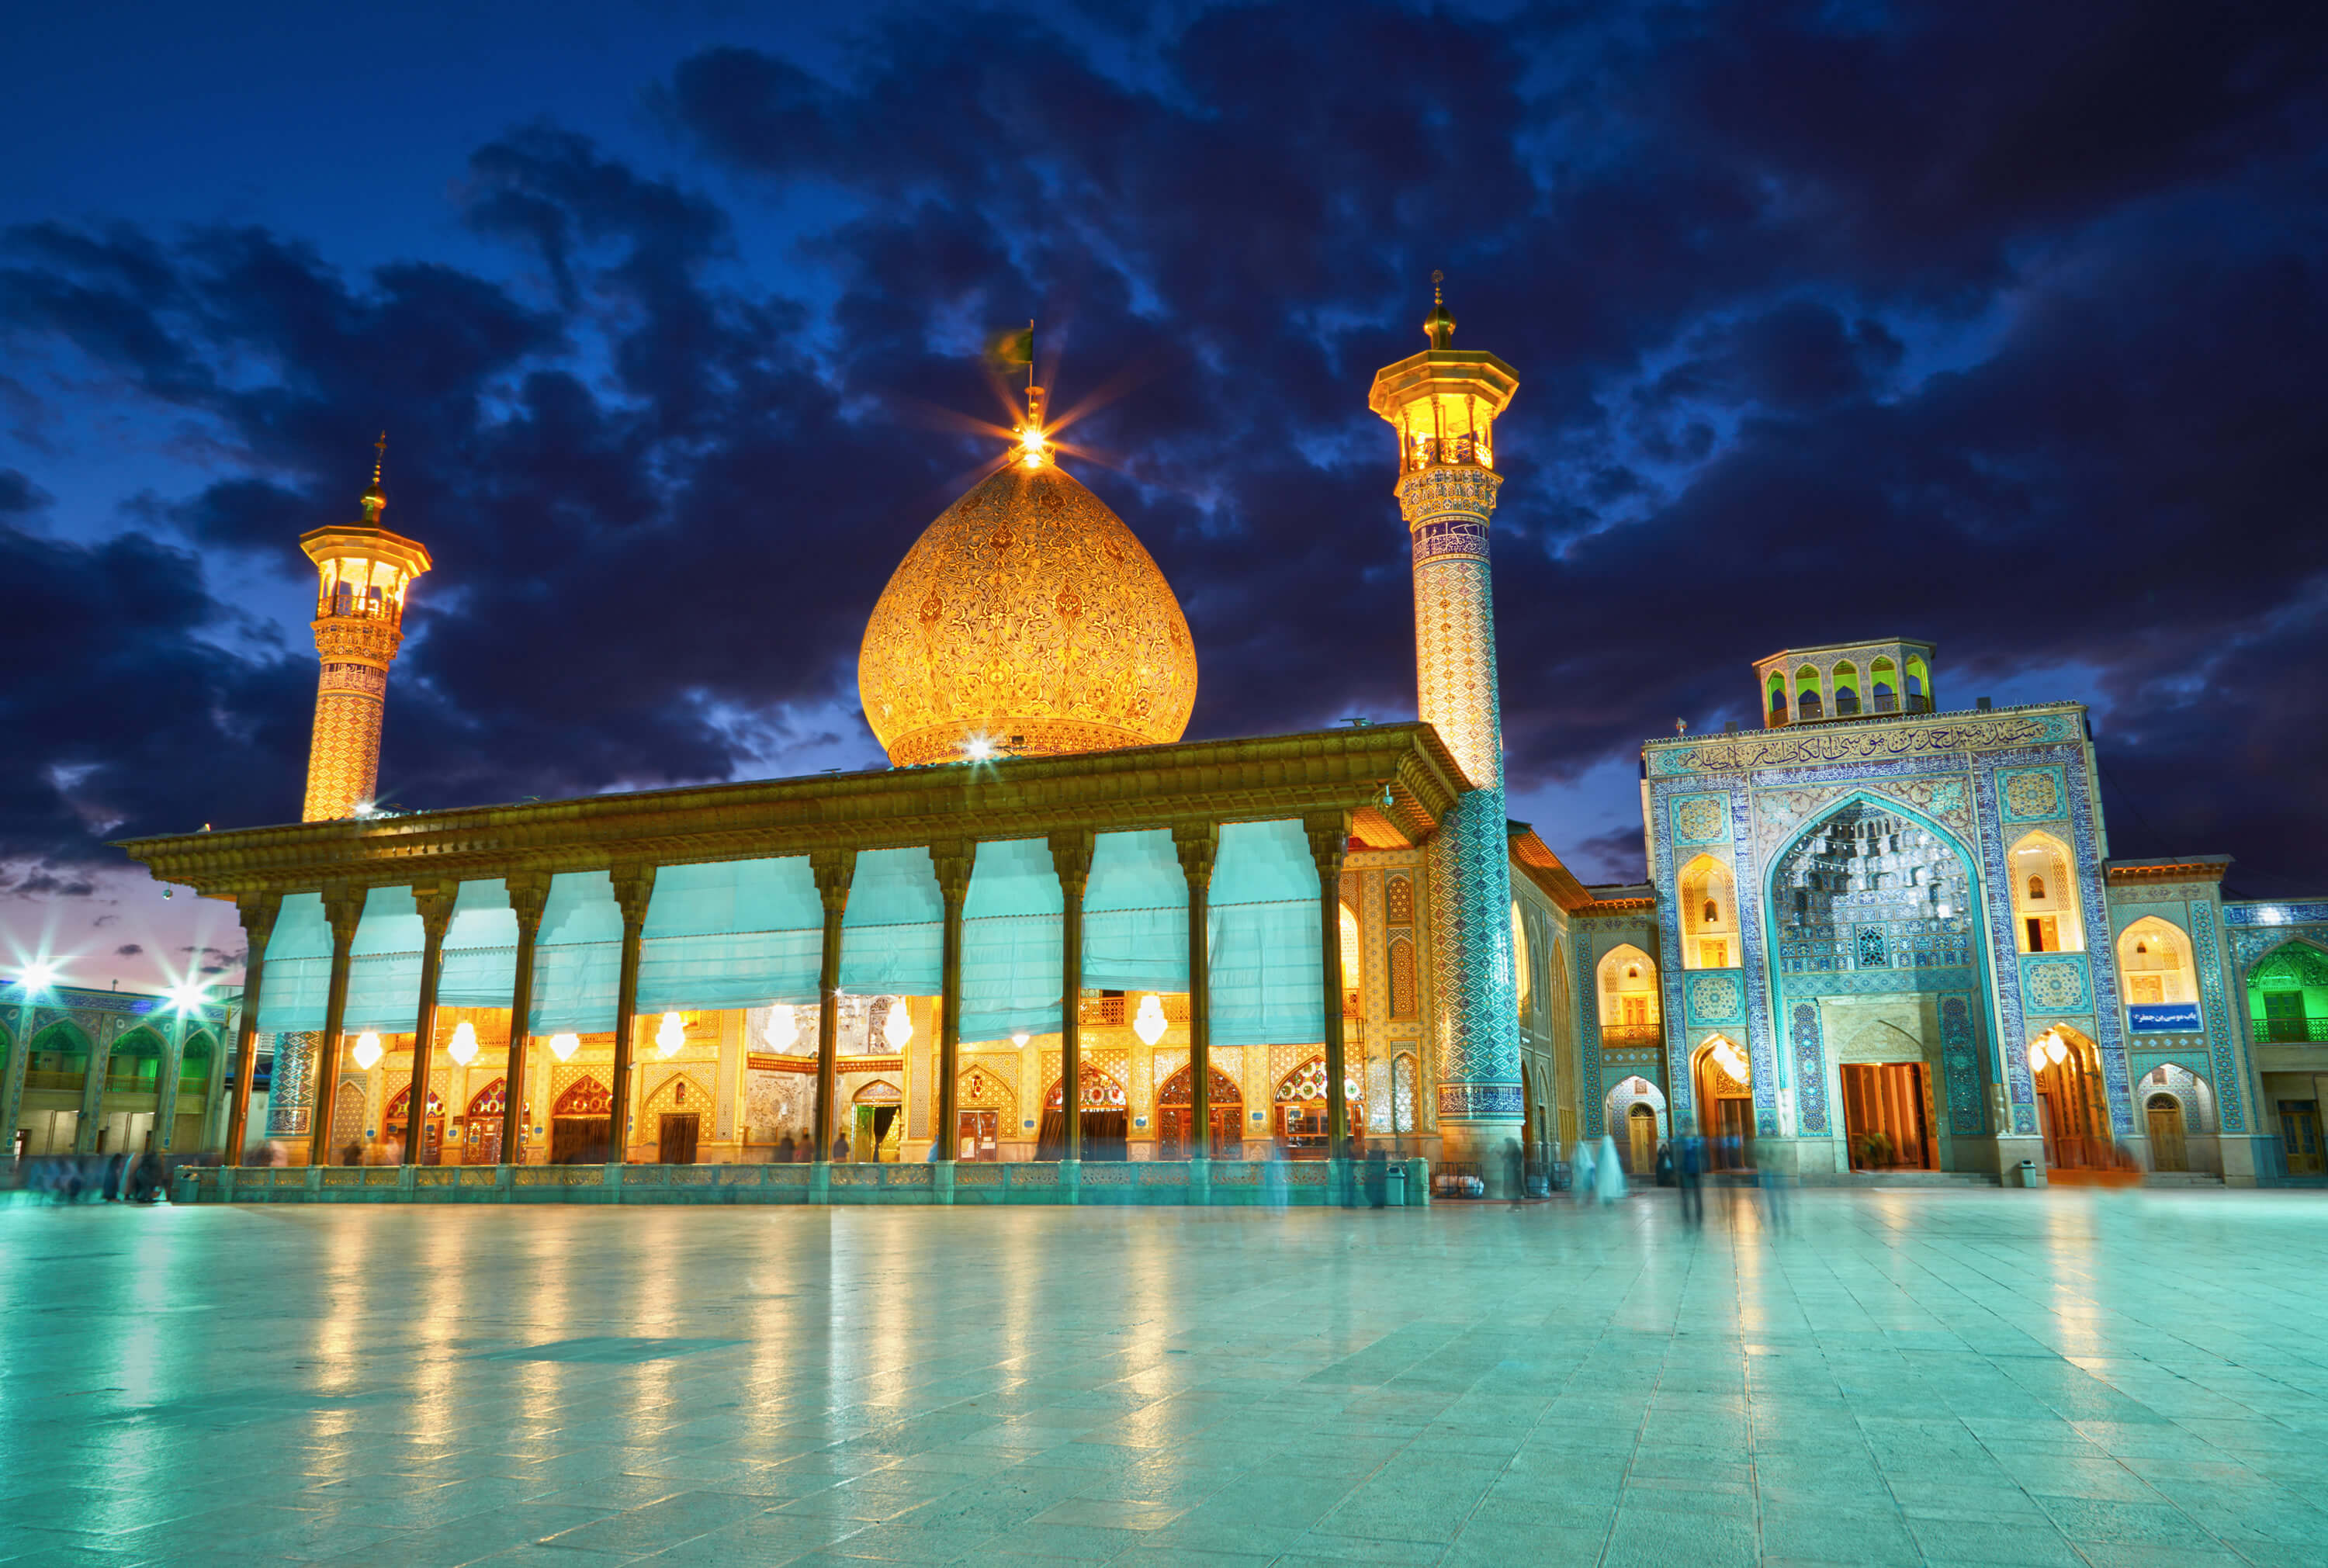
2001,325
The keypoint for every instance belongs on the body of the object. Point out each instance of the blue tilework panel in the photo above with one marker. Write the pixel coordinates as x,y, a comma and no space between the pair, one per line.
1960,1064
2207,958
1471,956
1810,1071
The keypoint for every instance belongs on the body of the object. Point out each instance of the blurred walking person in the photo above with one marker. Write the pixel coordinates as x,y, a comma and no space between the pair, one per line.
1581,1173
1689,1173
1609,1173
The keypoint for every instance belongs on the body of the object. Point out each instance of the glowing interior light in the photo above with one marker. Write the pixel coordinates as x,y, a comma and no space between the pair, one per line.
672,1035
368,1051
563,1045
1148,1022
37,975
978,749
1019,1038
187,997
1033,451
1726,1056
464,1048
783,1027
899,1028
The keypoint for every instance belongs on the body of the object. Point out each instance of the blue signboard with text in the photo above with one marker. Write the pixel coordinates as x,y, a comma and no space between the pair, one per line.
2163,1017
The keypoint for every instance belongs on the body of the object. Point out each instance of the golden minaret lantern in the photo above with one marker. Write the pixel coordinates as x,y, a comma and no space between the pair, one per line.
365,570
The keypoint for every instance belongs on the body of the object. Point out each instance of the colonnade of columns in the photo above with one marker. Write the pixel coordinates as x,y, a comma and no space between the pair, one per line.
833,870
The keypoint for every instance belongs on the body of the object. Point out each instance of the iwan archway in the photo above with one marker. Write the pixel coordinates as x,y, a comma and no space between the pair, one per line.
1886,1038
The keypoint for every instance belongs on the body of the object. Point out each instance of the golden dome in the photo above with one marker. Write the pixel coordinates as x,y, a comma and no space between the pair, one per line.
1027,618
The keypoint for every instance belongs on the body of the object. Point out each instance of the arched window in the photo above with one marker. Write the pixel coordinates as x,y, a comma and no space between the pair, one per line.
2045,908
1628,982
1778,697
1523,971
1919,685
1846,688
2154,966
1709,915
1354,972
1807,693
1884,676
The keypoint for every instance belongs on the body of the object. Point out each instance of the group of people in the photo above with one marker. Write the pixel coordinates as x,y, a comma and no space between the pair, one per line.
97,1177
1595,1174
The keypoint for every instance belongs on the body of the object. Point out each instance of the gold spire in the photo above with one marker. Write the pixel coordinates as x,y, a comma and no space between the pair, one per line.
375,500
1438,326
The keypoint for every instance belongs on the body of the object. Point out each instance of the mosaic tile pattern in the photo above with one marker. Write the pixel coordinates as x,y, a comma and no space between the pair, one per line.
1960,1065
1810,1071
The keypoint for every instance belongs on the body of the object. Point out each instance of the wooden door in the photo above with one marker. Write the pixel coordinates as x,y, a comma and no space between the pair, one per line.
580,1140
975,1135
2299,1129
675,1139
2166,1146
1641,1140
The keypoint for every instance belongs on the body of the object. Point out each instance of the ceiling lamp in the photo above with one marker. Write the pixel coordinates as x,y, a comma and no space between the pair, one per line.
367,1052
783,1027
1019,1038
563,1045
672,1035
1726,1058
1148,1022
899,1028
2048,1048
464,1048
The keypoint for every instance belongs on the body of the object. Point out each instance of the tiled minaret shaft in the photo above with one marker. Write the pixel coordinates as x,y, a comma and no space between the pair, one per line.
1444,402
364,571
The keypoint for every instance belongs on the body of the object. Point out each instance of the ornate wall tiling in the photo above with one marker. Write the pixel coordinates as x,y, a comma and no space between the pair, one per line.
1631,1090
2033,794
2247,913
2193,1093
1702,820
1810,1072
1960,1062
1768,1070
1831,745
1471,951
1716,997
1398,898
2055,983
2251,944
2207,958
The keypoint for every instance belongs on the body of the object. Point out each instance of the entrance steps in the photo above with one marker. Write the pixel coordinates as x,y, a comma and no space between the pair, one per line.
1943,1179
2179,1179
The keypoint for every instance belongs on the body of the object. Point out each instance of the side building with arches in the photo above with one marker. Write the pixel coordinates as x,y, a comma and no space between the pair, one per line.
110,1072
1903,947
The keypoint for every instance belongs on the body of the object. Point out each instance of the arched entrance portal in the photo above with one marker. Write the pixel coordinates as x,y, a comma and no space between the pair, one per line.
2070,1111
1175,1115
880,1131
1635,1118
2168,1149
1725,1099
582,1125
348,1123
1302,1110
1102,1103
399,1114
479,1130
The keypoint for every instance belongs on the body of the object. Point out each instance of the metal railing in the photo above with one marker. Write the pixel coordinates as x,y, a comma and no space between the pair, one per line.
2291,1031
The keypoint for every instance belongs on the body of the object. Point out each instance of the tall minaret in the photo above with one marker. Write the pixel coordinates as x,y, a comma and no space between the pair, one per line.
1442,403
358,626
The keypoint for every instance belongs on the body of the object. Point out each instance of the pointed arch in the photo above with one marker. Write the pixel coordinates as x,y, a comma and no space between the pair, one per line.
1627,981
1523,970
2042,873
586,1097
2154,966
1846,688
2287,993
132,1063
1709,914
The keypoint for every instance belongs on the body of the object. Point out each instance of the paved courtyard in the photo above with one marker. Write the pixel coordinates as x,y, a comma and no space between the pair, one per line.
1906,1377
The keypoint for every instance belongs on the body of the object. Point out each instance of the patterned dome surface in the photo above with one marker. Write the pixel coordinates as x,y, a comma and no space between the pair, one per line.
1028,614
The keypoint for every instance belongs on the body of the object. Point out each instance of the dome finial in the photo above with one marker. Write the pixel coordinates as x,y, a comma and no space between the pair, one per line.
376,499
1438,326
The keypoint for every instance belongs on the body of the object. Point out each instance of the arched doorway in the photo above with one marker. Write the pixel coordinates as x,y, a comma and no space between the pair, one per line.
2071,1113
1176,1115
479,1128
1104,1116
399,1111
1300,1110
2168,1149
1724,1080
983,1106
582,1125
1634,1115
878,1133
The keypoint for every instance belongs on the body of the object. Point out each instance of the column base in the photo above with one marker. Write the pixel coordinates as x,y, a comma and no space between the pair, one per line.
820,1182
1491,1146
1071,1181
942,1181
1200,1182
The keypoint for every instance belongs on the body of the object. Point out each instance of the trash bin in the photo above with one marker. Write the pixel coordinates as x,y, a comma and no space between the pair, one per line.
1394,1185
2029,1175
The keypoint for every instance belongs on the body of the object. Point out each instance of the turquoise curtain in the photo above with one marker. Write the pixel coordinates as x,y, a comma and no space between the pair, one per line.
1136,914
892,932
298,971
1267,989
577,961
480,968
738,933
1012,923
384,971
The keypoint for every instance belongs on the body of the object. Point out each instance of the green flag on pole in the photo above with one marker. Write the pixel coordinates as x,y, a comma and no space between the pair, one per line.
1015,347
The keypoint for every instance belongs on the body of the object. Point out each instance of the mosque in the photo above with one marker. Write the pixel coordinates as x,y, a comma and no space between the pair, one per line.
1055,952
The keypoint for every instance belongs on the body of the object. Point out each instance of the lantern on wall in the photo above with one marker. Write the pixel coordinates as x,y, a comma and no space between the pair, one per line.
672,1035
899,1028
368,1051
1148,1022
464,1048
563,1045
783,1027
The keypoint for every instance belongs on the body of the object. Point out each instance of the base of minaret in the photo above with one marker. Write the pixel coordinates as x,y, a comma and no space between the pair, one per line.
1480,1116
343,758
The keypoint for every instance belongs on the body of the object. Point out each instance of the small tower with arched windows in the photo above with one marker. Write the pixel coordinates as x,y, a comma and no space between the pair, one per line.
1844,681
